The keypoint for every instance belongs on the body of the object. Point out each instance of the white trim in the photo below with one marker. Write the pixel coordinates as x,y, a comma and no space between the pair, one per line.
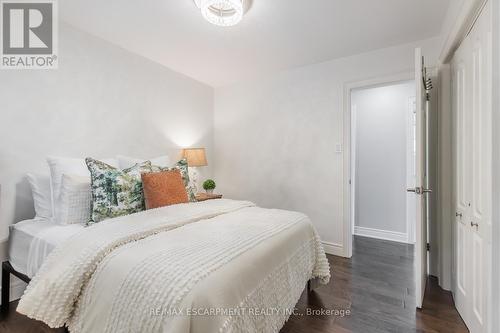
334,249
346,172
494,299
353,151
394,236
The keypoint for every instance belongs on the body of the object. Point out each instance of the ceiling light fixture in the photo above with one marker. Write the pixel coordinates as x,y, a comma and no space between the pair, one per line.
223,13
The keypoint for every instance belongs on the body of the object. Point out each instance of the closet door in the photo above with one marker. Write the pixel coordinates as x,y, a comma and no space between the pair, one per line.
480,209
472,83
462,139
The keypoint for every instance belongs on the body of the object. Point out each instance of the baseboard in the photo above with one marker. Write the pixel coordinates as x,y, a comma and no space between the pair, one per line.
334,249
394,236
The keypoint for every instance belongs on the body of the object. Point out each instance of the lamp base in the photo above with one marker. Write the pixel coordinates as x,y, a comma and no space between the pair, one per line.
193,178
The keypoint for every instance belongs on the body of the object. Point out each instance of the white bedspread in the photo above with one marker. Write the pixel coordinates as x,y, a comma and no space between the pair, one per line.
146,273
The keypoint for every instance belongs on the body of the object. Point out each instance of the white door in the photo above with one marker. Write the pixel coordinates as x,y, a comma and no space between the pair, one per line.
472,175
462,135
420,190
480,209
411,148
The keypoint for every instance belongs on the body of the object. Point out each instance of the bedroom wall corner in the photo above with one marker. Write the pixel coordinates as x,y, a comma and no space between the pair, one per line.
102,101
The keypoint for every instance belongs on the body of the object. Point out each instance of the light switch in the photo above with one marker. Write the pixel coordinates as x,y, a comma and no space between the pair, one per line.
338,148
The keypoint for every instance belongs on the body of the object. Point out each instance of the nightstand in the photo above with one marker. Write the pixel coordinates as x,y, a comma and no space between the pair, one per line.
207,196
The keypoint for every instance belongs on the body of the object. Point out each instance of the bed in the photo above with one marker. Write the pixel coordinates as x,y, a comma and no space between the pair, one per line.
219,265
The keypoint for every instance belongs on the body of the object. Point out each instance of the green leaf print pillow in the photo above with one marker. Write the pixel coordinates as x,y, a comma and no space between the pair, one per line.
115,192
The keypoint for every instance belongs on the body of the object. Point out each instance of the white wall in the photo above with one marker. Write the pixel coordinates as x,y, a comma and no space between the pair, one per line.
102,101
382,115
275,137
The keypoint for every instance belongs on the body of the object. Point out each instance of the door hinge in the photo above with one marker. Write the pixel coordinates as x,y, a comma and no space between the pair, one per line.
428,247
427,97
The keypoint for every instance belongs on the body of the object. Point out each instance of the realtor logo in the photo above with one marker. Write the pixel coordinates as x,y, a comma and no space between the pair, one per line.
29,34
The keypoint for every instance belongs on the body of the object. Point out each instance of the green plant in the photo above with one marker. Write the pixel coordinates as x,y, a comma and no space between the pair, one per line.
208,184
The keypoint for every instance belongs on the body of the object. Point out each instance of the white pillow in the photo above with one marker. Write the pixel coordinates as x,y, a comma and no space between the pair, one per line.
126,162
73,205
70,166
42,198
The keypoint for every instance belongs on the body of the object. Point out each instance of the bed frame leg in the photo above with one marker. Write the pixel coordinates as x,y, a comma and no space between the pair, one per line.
5,287
312,284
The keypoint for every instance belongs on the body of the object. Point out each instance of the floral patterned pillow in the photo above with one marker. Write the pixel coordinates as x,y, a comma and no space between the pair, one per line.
115,192
182,166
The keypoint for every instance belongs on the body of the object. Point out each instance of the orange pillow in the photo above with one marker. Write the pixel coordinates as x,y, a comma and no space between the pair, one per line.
163,189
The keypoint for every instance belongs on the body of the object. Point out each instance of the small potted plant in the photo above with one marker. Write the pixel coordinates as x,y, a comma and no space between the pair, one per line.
209,186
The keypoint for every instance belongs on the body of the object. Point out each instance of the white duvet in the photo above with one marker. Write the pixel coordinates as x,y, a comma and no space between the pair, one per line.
214,266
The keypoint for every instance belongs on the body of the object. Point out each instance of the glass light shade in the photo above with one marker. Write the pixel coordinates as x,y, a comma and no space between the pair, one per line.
223,13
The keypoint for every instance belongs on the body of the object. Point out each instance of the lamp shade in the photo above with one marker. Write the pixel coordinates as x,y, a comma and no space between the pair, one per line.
195,156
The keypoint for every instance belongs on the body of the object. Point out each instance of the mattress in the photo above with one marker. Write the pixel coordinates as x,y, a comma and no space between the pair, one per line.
31,241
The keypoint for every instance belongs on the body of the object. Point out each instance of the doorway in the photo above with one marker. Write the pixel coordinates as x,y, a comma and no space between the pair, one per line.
383,152
422,190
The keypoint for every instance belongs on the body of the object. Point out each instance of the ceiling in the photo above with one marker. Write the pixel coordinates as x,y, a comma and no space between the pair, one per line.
274,34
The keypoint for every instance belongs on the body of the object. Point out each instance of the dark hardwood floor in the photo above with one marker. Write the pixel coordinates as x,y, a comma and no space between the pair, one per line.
372,293
377,287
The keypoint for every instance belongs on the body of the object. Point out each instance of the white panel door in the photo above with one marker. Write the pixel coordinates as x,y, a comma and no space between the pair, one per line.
480,209
410,170
462,180
472,173
420,181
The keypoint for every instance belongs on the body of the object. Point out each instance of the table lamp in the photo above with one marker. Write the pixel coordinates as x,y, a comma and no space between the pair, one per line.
195,157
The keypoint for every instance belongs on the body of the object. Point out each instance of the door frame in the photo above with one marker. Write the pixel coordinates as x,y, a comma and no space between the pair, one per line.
347,167
495,100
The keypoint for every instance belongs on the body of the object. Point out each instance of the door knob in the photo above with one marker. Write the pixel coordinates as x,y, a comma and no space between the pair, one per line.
416,190
419,190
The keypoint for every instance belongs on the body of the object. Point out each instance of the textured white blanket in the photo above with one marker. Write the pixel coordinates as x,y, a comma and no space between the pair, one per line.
113,274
